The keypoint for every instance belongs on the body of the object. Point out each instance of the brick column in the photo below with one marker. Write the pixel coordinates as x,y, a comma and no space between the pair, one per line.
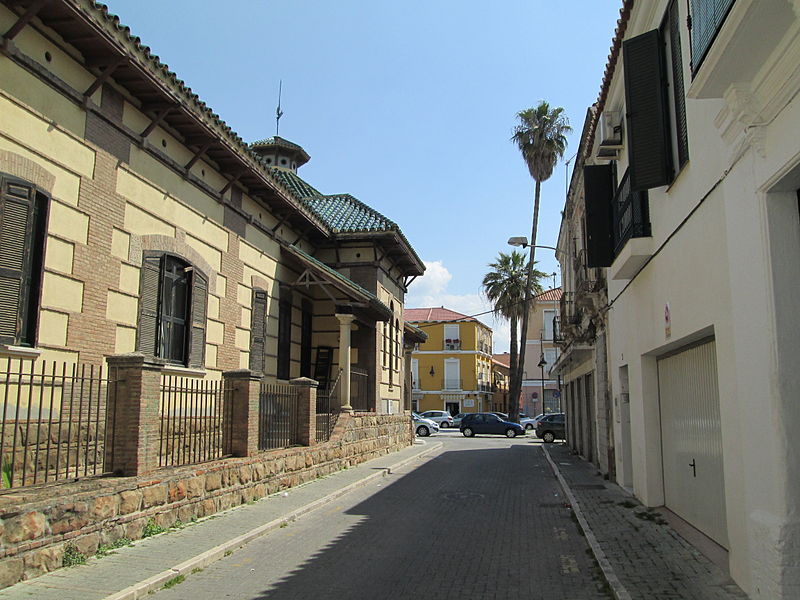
306,410
133,425
242,390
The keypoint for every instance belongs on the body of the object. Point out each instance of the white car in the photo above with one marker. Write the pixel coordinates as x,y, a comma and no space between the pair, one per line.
530,423
443,418
423,427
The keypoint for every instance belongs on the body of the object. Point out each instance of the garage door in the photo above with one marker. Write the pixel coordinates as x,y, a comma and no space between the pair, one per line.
694,486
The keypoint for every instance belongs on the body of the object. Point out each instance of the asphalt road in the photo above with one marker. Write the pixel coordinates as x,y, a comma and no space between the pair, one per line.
482,518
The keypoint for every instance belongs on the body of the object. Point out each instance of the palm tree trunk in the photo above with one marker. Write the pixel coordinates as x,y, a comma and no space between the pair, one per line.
523,335
512,363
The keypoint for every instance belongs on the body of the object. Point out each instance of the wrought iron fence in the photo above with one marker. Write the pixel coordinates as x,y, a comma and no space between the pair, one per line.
195,421
327,414
362,398
278,416
53,421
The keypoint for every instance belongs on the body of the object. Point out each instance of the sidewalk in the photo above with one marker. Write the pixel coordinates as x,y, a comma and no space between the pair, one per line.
134,571
640,554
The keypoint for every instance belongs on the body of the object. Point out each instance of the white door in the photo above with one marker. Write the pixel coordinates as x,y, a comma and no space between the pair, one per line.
691,439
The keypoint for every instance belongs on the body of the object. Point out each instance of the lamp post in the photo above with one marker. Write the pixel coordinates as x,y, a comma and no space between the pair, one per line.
542,364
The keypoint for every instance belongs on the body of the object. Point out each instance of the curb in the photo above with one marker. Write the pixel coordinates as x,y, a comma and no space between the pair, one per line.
618,589
151,584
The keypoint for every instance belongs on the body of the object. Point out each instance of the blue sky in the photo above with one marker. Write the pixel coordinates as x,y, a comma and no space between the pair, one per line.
409,106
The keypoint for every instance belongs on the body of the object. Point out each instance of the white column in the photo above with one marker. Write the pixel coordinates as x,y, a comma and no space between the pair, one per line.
345,326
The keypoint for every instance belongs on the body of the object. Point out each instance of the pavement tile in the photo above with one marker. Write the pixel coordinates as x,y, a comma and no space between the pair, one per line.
650,559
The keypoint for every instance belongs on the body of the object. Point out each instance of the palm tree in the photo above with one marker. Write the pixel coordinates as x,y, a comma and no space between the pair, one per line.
504,287
540,136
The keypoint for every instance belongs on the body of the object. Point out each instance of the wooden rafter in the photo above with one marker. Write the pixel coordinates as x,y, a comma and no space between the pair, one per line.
160,115
104,75
198,154
26,18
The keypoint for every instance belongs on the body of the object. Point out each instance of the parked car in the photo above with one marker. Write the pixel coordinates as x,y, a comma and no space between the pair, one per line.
530,422
551,427
503,416
457,419
423,427
441,417
475,423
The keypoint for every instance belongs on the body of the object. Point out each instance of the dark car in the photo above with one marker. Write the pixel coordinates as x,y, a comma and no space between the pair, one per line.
551,427
475,423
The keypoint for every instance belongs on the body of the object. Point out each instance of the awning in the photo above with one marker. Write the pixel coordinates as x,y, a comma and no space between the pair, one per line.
342,291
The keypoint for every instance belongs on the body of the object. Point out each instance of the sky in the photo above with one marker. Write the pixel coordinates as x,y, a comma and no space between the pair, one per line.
409,106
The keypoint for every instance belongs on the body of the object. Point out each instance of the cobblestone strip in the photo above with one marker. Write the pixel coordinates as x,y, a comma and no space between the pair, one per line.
649,558
619,590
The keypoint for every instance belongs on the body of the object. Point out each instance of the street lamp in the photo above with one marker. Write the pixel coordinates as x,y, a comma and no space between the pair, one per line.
542,364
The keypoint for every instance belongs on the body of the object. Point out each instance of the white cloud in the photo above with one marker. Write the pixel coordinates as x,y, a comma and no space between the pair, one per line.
430,290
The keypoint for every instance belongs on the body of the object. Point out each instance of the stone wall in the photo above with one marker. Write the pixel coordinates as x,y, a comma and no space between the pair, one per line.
37,524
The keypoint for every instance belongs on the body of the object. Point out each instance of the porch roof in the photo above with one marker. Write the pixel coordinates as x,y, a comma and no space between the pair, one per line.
318,273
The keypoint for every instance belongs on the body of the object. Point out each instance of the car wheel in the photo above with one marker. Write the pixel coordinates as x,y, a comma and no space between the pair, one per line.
510,433
468,432
423,431
444,425
548,437
528,426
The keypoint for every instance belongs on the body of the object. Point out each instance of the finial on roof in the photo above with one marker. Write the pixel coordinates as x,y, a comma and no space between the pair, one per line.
278,111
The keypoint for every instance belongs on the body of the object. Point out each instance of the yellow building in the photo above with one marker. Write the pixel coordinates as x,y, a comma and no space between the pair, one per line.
452,370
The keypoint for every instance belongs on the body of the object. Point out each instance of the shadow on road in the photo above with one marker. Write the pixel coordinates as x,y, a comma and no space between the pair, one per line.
476,523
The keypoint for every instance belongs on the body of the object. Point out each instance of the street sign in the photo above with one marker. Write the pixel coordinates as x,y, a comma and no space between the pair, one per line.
556,394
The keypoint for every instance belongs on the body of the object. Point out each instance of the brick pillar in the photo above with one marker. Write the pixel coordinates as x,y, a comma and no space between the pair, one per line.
306,410
242,390
133,423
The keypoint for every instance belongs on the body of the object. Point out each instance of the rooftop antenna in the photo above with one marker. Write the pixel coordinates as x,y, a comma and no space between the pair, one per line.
278,111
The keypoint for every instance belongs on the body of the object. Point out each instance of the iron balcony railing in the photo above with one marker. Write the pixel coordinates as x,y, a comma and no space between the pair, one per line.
631,214
452,344
449,383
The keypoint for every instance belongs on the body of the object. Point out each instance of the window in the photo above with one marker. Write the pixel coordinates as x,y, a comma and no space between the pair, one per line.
23,217
397,345
548,316
284,333
172,310
415,374
306,319
451,333
657,131
706,19
258,330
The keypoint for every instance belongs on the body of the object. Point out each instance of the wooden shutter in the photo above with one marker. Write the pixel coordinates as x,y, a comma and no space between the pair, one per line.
197,332
149,304
16,237
258,330
598,185
649,147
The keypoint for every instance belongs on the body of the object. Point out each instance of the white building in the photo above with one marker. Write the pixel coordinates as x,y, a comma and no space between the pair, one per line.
691,192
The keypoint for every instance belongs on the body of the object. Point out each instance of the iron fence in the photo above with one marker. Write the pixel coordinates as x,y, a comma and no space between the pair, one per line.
53,422
327,414
278,416
195,421
362,398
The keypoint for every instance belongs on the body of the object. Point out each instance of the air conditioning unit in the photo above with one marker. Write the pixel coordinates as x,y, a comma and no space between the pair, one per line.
611,129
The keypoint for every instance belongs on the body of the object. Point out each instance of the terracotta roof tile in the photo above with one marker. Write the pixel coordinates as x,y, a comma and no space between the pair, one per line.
553,295
502,359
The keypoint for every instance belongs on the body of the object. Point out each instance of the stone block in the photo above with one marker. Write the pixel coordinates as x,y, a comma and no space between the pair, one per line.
11,570
177,491
105,507
87,544
134,529
41,561
195,487
27,526
130,501
209,507
213,482
187,512
155,495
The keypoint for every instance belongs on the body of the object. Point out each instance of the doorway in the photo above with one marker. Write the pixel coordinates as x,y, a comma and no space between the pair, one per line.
453,408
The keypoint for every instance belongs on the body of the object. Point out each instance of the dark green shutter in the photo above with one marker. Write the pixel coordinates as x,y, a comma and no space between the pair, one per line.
149,302
598,185
16,237
258,323
649,147
197,335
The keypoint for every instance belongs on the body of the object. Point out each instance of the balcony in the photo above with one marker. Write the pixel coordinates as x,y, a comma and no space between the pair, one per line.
452,344
449,383
558,335
632,242
570,313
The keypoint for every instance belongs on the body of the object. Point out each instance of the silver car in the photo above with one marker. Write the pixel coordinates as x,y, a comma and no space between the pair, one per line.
423,427
442,418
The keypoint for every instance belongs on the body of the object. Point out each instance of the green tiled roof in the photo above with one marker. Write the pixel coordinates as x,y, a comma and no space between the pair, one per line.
345,214
293,183
277,141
